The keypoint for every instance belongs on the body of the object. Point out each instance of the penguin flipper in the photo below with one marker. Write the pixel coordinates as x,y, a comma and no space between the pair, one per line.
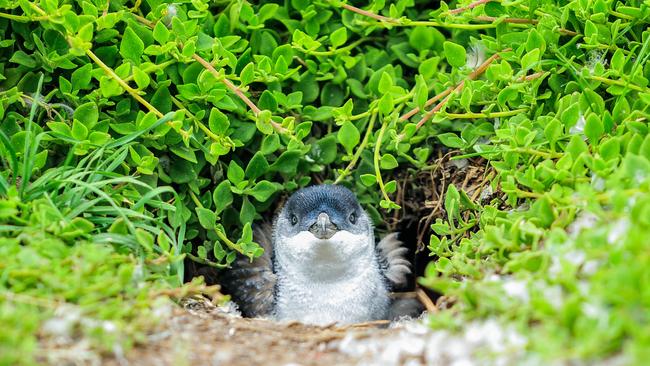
252,283
395,267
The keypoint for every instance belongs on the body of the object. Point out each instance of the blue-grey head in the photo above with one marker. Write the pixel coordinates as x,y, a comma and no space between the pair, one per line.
323,222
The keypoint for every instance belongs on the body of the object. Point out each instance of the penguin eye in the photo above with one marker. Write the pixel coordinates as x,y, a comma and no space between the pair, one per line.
294,219
353,218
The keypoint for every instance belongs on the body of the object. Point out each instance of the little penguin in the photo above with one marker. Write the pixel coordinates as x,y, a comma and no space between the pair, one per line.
321,264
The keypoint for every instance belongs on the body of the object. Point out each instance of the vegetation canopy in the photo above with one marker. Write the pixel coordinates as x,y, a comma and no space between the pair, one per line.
135,135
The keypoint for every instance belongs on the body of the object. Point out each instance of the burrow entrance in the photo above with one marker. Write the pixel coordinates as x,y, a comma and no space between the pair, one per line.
421,195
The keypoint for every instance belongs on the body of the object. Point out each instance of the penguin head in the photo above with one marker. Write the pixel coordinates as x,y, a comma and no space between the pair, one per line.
323,222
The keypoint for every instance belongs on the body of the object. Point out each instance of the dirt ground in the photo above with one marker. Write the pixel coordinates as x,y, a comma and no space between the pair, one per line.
202,334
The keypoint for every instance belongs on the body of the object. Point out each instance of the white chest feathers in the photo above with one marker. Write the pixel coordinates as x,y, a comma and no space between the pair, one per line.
324,281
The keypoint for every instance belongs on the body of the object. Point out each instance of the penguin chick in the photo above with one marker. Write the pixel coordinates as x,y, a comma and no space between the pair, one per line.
321,264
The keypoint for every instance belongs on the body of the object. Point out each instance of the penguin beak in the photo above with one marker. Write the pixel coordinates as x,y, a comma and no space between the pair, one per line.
323,228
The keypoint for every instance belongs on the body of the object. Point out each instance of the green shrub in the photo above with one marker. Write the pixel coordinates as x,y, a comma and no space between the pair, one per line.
231,104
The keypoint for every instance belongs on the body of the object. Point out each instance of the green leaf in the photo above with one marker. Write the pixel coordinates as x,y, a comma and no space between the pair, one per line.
339,37
247,74
270,144
593,128
263,190
247,233
390,187
131,46
207,218
81,77
140,78
257,166
348,136
79,131
218,251
421,92
160,33
590,29
451,140
88,114
530,59
247,213
222,196
610,149
202,252
185,153
287,163
145,239
452,203
368,179
21,58
571,115
455,54
218,121
267,101
235,173
422,38
326,150
388,162
386,104
385,83
263,122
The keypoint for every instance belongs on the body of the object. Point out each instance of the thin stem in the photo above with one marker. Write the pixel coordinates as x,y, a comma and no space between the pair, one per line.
207,262
370,14
472,115
521,150
387,21
376,159
483,18
430,23
23,18
542,154
123,84
143,20
228,83
360,149
334,51
534,76
619,83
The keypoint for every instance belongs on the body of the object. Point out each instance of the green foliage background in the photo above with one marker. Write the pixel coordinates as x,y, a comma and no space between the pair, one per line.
135,133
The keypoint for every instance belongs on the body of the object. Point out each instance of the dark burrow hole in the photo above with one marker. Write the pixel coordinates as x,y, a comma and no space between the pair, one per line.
421,195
